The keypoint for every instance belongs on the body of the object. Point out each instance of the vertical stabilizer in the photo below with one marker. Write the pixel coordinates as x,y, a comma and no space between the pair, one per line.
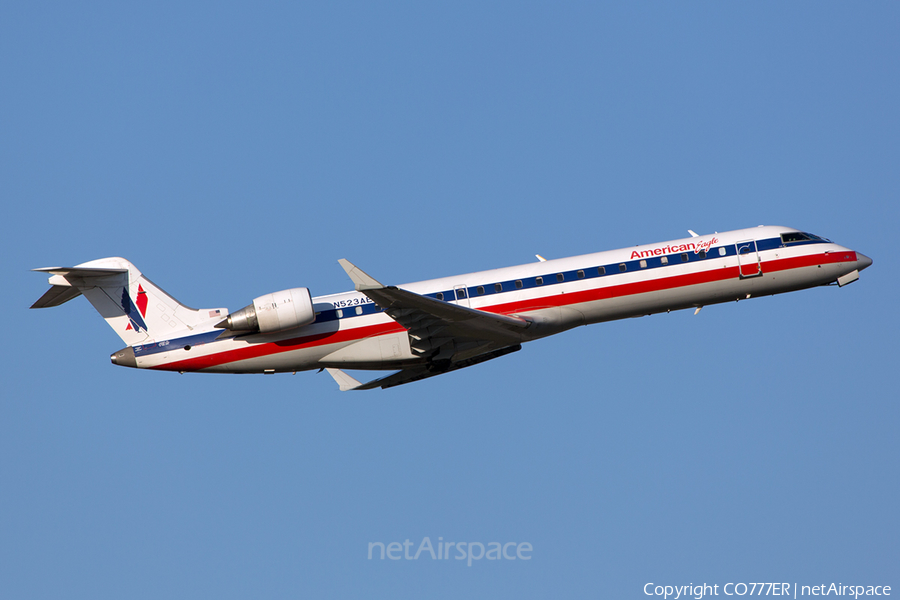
136,309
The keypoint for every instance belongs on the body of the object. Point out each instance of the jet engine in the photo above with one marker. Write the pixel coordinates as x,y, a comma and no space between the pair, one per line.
273,312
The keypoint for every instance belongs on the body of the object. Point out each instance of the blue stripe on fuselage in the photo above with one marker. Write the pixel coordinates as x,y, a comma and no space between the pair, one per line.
550,279
177,343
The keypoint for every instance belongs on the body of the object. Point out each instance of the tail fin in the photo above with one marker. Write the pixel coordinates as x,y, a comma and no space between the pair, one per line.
136,309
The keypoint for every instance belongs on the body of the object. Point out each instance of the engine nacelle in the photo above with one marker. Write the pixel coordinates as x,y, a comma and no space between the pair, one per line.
273,312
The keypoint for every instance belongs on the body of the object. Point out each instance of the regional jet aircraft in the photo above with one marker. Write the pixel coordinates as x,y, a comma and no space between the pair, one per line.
432,327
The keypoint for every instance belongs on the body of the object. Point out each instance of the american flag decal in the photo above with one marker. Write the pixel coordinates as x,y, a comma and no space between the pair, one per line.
214,313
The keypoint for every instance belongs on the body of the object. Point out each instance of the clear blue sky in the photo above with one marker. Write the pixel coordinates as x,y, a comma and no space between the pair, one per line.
230,150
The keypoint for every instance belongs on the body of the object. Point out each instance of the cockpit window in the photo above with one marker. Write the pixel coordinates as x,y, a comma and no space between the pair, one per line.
795,237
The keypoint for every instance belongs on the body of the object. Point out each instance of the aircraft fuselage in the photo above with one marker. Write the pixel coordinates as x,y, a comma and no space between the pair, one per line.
352,331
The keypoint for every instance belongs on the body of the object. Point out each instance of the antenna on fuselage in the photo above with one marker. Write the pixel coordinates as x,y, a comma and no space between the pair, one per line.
692,233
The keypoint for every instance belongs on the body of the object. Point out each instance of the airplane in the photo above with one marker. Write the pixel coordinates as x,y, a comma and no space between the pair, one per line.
432,327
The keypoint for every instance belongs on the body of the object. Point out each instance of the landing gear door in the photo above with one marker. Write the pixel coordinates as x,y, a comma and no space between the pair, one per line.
748,259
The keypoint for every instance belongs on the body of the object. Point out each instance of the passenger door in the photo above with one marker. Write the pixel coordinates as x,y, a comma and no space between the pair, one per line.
748,259
462,297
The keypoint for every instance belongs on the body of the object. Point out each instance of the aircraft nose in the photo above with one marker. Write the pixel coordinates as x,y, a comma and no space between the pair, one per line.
862,261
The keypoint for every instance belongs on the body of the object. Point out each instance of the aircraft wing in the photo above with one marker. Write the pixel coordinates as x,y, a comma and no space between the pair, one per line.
433,324
347,382
450,336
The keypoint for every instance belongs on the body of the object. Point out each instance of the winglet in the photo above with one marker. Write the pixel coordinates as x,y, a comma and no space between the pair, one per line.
345,381
360,278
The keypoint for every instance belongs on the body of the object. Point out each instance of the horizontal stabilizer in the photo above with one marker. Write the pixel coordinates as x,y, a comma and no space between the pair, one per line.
80,271
56,295
62,290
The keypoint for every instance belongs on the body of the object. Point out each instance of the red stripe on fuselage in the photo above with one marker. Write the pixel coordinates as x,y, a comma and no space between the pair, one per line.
569,298
268,348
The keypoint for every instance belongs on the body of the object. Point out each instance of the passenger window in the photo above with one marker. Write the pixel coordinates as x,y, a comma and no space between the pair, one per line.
518,284
664,260
684,257
623,267
539,280
721,251
498,287
359,310
440,295
643,264
560,277
580,274
481,290
702,253
460,293
601,270
339,313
